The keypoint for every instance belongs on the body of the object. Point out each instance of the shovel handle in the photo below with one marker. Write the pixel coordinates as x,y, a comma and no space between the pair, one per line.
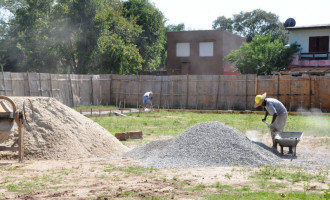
267,124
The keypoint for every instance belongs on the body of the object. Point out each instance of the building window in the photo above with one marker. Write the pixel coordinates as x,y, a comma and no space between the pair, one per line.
319,44
206,49
182,49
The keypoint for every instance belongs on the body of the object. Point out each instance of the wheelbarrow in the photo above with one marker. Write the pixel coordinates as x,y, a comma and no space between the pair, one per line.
288,139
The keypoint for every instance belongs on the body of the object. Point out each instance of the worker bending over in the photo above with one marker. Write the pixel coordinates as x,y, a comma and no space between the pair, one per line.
275,108
147,99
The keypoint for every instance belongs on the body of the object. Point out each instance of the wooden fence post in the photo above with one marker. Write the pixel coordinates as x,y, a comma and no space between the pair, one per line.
217,97
256,86
50,85
161,90
28,79
310,92
138,92
246,91
71,90
92,91
4,81
40,88
278,86
187,92
110,89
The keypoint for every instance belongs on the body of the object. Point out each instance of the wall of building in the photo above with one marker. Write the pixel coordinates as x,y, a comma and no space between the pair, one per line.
223,43
302,37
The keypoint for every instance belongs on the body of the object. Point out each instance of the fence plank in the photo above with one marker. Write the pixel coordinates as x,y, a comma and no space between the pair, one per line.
183,91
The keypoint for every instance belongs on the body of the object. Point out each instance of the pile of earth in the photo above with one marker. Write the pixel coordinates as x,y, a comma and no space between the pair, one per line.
205,144
59,132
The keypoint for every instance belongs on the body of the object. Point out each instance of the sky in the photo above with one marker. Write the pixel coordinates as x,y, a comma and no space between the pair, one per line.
200,14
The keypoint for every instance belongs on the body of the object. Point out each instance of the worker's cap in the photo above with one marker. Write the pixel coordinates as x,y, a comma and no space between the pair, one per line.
259,99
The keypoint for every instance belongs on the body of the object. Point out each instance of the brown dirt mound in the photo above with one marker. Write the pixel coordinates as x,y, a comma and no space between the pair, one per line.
59,132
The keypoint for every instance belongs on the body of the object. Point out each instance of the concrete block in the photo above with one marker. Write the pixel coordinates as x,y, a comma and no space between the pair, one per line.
135,134
121,136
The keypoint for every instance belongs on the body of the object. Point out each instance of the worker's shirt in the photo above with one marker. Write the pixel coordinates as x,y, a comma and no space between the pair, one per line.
147,94
274,106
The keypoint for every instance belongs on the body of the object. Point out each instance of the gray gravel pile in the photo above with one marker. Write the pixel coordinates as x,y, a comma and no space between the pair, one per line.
205,144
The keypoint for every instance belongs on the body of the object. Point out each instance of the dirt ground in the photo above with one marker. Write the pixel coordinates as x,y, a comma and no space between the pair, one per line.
125,178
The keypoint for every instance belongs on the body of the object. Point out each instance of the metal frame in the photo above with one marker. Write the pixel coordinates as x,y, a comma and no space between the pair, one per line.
19,144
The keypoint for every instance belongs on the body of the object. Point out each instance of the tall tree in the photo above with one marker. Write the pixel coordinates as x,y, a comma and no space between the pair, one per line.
151,41
117,52
76,35
71,36
262,55
249,24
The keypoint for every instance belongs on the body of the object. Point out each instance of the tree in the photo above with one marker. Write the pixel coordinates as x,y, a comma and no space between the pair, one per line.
262,55
152,39
71,36
249,24
117,51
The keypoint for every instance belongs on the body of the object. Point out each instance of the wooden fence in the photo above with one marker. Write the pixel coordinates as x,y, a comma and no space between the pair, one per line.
220,92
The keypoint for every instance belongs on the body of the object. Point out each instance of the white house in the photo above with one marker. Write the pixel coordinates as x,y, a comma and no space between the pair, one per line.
314,42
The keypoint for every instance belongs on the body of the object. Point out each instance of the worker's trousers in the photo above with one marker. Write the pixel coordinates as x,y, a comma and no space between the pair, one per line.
278,126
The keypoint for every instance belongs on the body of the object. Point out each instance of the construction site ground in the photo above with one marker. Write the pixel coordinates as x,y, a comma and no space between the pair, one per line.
125,178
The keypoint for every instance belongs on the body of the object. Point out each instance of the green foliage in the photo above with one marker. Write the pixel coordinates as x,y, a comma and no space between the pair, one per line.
151,41
250,24
262,55
117,51
81,36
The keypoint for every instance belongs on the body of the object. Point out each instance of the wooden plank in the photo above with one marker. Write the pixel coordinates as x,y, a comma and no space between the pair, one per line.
4,82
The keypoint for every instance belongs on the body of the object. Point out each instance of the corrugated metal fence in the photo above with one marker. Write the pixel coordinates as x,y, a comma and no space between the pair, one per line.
186,91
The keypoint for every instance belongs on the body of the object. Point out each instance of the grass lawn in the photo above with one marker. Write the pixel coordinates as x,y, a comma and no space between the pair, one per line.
173,123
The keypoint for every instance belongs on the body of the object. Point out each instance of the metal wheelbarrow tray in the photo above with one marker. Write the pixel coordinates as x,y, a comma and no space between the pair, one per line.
289,139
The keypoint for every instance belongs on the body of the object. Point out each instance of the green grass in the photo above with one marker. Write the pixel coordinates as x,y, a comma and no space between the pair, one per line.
100,107
265,173
138,170
173,123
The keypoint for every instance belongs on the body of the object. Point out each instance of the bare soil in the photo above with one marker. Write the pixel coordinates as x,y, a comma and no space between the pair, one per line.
70,157
124,178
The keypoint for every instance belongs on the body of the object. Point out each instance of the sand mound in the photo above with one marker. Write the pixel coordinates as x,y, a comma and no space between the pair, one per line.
59,132
205,144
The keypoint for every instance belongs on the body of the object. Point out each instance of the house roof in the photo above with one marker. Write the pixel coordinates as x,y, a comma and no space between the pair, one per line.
316,26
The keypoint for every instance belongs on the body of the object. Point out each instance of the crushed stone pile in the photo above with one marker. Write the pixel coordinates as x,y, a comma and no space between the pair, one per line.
59,132
205,144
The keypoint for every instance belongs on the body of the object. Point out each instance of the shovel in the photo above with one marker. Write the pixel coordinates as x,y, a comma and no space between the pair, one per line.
267,124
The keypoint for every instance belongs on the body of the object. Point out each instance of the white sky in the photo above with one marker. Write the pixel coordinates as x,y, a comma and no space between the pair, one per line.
200,14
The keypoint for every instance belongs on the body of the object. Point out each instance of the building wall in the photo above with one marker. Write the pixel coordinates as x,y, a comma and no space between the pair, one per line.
223,43
302,37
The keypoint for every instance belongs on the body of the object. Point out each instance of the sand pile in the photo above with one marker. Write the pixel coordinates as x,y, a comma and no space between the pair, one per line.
59,132
205,144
